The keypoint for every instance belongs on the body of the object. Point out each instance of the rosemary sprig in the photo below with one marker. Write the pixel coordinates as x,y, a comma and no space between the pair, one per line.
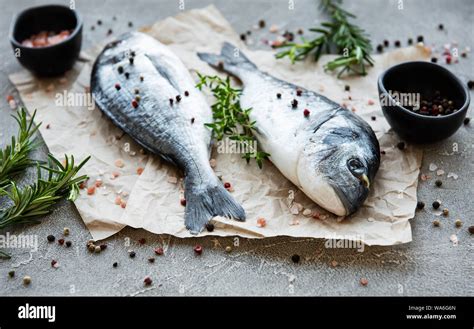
36,200
230,120
349,40
14,157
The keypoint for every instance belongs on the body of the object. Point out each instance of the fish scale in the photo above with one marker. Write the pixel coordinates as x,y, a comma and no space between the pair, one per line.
332,155
163,127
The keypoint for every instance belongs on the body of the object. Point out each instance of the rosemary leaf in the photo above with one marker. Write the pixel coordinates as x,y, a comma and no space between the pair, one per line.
14,157
230,120
349,40
37,199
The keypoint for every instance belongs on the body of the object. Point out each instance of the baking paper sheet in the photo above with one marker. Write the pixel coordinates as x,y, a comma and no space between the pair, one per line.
152,198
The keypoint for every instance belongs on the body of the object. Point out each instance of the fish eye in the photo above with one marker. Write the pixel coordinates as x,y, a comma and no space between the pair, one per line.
355,166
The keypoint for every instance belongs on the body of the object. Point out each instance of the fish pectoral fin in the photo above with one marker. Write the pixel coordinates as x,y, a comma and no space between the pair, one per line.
205,202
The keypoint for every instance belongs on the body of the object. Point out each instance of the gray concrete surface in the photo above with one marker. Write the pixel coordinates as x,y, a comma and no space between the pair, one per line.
430,265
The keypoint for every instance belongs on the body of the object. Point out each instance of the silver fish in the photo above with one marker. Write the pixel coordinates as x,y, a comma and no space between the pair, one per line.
330,153
167,119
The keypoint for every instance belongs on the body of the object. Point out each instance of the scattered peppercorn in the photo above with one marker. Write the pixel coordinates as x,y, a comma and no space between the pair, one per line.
99,22
53,263
420,205
148,281
130,59
386,43
294,103
243,37
401,145
151,260
470,84
410,41
364,282
210,227
458,223
347,88
436,204
130,24
192,120
26,280
445,212
50,238
441,26
136,91
183,202
420,38
117,86
127,75
178,98
132,254
434,60
171,101
142,78
471,229
198,249
379,48
279,96
132,53
299,92
11,274
438,183
68,244
92,27
373,118
186,93
466,120
295,258
306,112
436,223
261,23
120,69
115,264
159,251
109,32
397,43
61,241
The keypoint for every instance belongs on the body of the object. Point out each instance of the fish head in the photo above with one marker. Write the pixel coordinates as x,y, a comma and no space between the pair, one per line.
338,163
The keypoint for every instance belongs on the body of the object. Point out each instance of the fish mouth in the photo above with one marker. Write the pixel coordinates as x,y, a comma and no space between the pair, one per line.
352,199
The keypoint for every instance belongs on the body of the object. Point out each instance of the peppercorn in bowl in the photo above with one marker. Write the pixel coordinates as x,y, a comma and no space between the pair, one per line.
422,101
47,39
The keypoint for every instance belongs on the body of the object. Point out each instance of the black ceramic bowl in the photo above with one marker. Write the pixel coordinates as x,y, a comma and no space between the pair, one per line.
424,78
54,59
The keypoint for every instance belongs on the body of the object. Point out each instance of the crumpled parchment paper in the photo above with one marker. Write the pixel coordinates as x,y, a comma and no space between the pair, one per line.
152,200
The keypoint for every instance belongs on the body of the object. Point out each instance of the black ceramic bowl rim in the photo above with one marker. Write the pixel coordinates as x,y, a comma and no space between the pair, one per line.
437,67
71,36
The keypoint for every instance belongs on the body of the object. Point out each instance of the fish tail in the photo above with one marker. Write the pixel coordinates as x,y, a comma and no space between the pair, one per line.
230,60
206,201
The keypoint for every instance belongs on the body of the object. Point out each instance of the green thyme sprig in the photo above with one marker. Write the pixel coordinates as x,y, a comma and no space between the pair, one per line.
230,120
14,157
37,199
350,41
